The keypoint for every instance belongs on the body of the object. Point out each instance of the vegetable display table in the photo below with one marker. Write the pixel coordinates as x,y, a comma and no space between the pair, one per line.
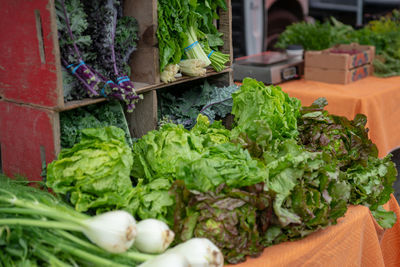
377,98
356,240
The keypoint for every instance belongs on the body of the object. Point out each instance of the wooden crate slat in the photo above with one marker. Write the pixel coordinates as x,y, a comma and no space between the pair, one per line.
81,103
28,135
144,61
225,27
28,61
144,117
183,79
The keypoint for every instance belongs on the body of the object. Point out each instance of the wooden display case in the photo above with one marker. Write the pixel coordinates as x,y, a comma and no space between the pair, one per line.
31,89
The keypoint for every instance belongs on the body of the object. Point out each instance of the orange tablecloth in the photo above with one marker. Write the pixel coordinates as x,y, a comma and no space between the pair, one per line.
357,240
377,98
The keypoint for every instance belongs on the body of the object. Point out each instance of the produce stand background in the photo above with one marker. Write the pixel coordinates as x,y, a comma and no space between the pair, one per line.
31,90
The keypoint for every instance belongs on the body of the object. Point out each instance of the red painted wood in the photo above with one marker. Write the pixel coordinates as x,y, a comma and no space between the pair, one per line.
23,77
23,130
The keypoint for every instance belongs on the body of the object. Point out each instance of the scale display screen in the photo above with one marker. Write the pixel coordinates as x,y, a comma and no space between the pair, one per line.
289,73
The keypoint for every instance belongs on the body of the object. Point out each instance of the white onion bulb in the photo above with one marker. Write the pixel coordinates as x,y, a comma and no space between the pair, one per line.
114,231
153,236
167,260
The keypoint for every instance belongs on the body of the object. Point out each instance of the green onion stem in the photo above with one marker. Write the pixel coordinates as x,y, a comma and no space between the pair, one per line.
137,256
47,213
79,241
39,209
48,257
90,257
40,223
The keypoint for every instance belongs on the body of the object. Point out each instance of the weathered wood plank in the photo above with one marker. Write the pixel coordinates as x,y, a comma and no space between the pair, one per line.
144,117
28,136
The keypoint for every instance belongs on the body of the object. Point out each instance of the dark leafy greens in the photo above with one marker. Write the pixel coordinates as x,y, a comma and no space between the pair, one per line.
88,46
72,122
233,219
347,142
212,101
309,192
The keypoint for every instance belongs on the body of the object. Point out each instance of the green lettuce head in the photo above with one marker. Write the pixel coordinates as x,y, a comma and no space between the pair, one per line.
94,173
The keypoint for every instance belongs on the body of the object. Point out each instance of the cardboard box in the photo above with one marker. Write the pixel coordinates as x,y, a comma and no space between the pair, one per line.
338,76
339,64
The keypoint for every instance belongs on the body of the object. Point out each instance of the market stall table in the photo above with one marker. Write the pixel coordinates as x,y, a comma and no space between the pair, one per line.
356,240
377,98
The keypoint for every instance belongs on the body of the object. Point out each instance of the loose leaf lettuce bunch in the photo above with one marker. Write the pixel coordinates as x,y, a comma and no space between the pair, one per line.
233,219
264,116
94,173
153,200
222,164
347,142
202,158
308,191
157,154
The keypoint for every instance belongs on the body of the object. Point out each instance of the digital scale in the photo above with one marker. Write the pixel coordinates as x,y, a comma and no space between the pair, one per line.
270,67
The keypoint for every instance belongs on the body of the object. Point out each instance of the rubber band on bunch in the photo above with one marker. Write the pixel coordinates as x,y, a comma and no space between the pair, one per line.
81,63
102,92
190,47
123,79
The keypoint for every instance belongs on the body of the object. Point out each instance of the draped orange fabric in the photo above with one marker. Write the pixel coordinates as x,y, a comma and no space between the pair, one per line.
356,240
377,98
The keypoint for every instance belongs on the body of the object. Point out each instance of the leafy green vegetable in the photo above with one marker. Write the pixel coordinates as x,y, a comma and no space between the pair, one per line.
309,191
95,171
182,25
384,34
89,34
314,36
372,184
233,219
258,107
216,132
200,159
208,10
208,34
209,100
385,218
72,122
176,32
346,141
153,200
157,153
222,164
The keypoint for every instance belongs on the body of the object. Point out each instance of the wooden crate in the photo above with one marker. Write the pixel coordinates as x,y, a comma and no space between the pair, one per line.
29,138
145,62
31,80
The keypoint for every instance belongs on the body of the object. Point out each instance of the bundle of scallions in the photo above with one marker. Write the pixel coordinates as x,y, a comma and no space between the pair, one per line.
38,229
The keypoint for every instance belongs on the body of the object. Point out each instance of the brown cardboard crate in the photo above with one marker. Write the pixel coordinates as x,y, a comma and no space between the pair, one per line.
340,61
338,76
